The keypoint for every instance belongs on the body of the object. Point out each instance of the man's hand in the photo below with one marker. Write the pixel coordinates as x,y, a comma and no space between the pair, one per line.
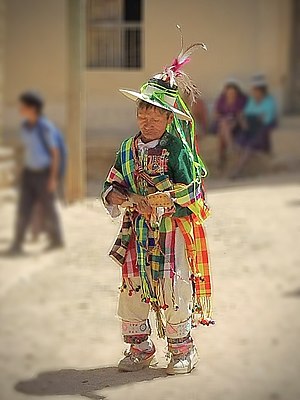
52,185
115,198
141,203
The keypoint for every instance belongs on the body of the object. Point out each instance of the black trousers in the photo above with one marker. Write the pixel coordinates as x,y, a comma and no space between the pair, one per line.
34,190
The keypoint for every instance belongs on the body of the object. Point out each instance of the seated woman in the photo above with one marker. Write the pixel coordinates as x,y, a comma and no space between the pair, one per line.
228,109
259,120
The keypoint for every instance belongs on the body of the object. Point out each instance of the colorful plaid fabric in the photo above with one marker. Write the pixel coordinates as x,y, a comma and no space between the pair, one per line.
194,236
115,176
135,232
186,195
145,245
128,164
123,242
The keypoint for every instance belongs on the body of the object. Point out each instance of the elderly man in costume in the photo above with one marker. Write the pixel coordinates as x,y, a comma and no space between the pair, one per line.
157,180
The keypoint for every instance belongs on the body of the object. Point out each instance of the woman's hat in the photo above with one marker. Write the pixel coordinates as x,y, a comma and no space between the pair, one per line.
259,80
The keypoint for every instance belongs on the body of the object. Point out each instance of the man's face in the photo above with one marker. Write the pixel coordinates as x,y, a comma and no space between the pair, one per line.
27,113
152,122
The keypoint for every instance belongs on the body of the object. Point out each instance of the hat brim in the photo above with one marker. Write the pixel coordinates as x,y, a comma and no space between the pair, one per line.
133,95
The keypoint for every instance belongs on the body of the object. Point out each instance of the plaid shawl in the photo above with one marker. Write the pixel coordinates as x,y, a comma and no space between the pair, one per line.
143,242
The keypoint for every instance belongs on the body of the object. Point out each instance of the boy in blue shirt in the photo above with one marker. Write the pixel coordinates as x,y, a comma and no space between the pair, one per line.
39,177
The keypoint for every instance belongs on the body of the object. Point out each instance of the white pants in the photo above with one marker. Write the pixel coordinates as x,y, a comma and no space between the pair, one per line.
134,313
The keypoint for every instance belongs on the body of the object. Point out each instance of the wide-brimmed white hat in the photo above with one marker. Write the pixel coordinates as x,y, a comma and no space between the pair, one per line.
159,93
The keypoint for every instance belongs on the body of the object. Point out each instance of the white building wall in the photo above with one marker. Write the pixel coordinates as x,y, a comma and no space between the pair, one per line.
243,37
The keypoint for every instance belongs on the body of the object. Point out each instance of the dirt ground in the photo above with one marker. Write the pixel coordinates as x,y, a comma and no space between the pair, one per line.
60,338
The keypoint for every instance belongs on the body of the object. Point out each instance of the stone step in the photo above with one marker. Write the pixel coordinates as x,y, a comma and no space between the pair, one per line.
6,153
285,154
8,194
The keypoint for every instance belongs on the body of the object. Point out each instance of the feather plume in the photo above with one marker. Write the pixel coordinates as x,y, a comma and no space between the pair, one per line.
181,40
174,72
182,58
187,87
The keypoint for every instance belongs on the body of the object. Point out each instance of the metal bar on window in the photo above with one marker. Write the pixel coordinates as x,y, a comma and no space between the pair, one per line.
111,41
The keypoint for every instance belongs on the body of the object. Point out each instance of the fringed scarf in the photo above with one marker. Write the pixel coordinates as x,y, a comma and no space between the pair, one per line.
145,243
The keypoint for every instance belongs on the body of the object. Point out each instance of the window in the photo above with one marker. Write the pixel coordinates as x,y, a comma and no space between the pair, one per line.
114,33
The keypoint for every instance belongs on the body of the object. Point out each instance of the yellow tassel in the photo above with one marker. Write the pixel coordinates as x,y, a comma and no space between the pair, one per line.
160,325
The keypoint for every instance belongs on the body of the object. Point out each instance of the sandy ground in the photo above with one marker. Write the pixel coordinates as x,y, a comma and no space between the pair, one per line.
60,339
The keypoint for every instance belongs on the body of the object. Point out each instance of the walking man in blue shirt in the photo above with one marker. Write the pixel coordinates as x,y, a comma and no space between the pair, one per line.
40,173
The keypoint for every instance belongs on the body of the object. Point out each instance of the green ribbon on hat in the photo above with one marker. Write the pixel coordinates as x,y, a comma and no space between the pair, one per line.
159,96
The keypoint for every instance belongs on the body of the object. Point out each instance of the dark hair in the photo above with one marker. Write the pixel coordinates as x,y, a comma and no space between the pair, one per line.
235,86
33,100
144,104
262,88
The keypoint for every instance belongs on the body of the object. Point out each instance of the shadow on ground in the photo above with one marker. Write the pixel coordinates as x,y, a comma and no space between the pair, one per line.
294,203
83,382
293,293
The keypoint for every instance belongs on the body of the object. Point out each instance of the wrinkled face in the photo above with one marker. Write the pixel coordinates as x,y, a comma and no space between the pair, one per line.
152,122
